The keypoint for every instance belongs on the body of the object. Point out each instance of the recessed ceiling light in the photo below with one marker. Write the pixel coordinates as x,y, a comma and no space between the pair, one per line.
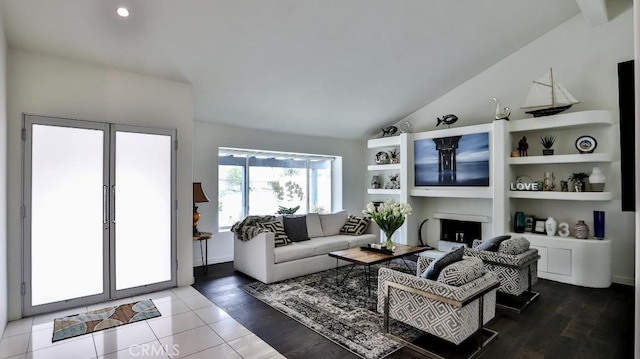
123,11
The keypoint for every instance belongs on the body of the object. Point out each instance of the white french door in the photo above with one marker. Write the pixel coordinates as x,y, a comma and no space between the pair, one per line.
99,212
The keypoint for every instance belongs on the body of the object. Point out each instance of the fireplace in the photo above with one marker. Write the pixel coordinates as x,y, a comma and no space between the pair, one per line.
461,232
460,229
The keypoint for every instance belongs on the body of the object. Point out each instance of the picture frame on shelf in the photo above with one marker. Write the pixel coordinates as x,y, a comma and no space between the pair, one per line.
538,226
528,223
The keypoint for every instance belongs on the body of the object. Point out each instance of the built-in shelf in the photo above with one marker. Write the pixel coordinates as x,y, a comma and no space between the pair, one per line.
575,158
390,167
563,196
596,118
484,192
383,191
383,142
590,241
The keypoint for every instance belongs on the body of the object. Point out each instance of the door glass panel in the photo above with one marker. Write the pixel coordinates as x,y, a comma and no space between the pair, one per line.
66,213
142,209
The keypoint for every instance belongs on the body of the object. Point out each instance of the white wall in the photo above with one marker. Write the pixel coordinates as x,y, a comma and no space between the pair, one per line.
55,87
208,137
584,59
3,179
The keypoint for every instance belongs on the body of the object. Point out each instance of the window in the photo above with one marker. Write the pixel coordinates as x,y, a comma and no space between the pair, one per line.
259,183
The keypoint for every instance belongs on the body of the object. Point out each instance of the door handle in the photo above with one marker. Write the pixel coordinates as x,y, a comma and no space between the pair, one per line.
105,204
113,202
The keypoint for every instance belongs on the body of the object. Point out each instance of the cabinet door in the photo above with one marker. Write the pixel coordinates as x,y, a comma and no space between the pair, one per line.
542,263
559,261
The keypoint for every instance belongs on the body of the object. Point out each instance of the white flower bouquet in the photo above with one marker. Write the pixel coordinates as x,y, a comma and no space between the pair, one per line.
389,215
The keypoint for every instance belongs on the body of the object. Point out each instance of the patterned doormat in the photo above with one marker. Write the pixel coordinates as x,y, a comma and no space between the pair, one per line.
342,313
101,319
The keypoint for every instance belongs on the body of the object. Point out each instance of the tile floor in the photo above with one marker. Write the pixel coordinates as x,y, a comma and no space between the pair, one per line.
190,327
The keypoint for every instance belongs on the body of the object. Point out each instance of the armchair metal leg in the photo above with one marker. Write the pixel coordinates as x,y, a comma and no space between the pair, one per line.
523,300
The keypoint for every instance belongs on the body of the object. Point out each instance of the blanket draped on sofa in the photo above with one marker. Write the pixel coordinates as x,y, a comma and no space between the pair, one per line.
247,229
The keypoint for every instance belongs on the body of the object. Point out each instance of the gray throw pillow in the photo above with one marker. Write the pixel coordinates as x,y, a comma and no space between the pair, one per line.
296,228
433,270
492,244
355,225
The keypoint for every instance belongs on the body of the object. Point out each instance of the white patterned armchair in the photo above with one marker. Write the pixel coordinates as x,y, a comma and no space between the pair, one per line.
449,307
516,265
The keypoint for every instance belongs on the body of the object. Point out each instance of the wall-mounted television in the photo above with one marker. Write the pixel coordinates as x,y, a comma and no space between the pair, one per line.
461,160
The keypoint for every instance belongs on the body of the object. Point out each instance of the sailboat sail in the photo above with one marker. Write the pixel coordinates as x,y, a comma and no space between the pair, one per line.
545,92
563,97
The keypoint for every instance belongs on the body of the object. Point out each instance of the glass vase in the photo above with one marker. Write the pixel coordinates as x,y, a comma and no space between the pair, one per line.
389,242
519,224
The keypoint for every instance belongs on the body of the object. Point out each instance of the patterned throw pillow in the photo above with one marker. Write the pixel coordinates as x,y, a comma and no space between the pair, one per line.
276,228
492,244
296,228
514,246
355,225
433,270
462,272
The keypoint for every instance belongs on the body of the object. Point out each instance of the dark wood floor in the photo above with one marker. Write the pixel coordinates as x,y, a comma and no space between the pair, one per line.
565,322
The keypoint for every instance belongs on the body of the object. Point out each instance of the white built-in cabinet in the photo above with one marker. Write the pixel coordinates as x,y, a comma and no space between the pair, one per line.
384,144
568,260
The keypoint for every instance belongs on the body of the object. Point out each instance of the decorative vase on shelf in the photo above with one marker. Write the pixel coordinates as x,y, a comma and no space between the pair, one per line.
549,182
375,182
581,230
597,179
550,226
598,224
519,223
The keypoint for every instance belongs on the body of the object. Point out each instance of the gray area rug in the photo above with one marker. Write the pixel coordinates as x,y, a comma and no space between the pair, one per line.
343,313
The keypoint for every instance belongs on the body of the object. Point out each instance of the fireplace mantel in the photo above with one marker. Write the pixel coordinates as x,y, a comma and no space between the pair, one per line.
462,217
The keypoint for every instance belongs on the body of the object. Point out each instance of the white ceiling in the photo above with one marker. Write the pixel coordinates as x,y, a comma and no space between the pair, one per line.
334,68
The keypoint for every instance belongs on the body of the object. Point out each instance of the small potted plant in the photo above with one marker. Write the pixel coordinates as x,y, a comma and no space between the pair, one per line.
547,142
579,183
393,156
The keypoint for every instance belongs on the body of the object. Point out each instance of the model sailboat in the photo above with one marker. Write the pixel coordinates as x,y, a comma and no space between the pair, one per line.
547,97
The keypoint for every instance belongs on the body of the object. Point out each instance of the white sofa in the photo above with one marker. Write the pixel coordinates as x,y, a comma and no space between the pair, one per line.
262,260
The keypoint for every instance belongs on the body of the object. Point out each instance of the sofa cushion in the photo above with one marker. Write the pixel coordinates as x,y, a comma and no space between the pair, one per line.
355,225
296,228
361,240
332,223
514,246
292,252
324,245
314,228
277,229
433,270
492,244
462,272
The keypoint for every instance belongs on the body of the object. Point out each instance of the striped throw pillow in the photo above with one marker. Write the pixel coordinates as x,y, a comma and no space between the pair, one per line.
277,229
355,225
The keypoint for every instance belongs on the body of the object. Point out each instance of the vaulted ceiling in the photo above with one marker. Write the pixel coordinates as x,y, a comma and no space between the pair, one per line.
334,68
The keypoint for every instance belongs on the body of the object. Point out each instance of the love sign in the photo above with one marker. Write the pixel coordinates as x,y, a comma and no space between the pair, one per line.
525,186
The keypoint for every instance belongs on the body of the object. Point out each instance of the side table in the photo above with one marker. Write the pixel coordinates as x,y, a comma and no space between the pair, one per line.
204,255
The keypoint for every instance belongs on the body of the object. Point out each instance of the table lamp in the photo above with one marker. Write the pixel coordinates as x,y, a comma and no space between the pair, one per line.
199,196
